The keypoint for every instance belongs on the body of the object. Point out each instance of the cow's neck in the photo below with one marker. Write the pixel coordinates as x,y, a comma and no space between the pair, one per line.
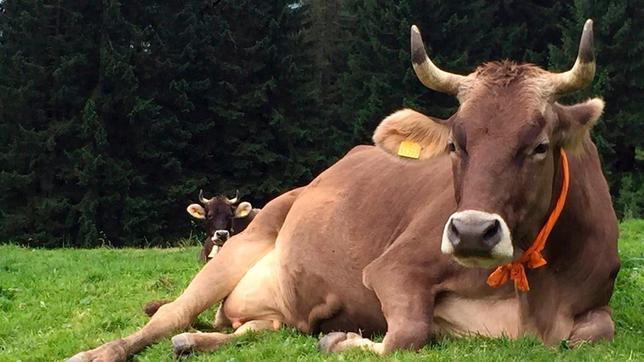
574,251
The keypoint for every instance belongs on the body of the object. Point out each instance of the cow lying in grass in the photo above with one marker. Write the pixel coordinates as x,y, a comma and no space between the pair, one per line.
224,218
404,238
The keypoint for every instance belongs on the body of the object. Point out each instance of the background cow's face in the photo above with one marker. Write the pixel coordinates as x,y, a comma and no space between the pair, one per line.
503,142
219,214
219,219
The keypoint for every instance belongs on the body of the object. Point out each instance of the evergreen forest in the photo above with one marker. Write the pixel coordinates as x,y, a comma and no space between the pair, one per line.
114,114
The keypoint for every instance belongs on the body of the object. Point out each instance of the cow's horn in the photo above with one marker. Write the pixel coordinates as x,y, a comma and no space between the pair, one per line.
429,74
583,72
202,199
235,199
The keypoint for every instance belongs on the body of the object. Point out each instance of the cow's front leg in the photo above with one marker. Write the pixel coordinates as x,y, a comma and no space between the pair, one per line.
592,326
341,341
400,335
407,300
207,342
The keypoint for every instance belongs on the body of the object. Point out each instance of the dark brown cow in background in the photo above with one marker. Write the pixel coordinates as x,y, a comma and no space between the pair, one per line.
223,219
381,243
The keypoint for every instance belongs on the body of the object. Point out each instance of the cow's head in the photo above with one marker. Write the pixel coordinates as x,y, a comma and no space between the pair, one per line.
219,213
504,143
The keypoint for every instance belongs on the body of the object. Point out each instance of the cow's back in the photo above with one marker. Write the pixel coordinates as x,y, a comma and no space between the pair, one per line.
342,221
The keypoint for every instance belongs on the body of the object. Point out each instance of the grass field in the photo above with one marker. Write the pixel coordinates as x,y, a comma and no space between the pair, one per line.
54,303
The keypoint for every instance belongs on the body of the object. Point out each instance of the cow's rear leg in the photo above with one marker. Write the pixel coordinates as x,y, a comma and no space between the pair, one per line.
220,322
207,342
592,326
214,282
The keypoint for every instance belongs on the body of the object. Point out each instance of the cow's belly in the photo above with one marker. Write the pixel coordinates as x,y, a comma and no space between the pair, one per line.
256,295
455,315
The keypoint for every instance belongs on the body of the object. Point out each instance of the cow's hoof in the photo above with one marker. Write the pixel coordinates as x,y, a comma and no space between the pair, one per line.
328,343
183,344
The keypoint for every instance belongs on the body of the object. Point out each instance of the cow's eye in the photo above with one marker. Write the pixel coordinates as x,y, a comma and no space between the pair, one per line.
541,148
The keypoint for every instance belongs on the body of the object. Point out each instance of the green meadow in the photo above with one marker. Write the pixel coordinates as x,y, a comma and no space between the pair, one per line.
54,303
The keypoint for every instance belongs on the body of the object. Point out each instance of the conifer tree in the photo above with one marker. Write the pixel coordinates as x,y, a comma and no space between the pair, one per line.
619,30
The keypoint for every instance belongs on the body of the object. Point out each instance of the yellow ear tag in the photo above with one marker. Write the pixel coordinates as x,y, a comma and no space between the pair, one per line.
409,149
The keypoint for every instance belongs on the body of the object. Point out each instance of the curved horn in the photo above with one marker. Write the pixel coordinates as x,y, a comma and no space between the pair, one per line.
235,199
583,72
429,74
202,199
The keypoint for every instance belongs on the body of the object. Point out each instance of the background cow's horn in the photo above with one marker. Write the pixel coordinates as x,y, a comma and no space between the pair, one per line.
429,74
202,199
583,72
235,199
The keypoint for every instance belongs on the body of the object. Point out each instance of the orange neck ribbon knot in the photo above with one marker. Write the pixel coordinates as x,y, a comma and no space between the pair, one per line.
532,257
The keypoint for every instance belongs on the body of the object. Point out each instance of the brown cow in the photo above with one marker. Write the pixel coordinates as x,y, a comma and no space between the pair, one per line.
359,248
223,217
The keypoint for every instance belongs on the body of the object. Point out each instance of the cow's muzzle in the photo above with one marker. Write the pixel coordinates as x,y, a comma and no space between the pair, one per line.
220,236
477,239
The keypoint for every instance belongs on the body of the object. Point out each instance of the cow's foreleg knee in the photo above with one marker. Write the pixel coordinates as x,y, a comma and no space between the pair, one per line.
409,315
594,325
185,343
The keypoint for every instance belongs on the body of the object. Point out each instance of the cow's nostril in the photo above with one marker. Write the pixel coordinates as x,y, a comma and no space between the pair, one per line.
454,229
453,234
492,230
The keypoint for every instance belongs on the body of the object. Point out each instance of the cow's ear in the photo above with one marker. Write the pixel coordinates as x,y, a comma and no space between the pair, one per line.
412,135
574,123
197,211
243,209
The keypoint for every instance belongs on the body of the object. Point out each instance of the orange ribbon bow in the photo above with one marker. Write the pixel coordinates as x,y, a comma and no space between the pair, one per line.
532,257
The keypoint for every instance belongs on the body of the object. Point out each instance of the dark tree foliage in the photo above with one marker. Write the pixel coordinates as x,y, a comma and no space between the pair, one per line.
49,70
118,113
619,48
327,29
114,114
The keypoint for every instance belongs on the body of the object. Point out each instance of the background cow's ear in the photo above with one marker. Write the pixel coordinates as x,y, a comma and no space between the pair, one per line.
196,211
575,121
243,209
413,135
